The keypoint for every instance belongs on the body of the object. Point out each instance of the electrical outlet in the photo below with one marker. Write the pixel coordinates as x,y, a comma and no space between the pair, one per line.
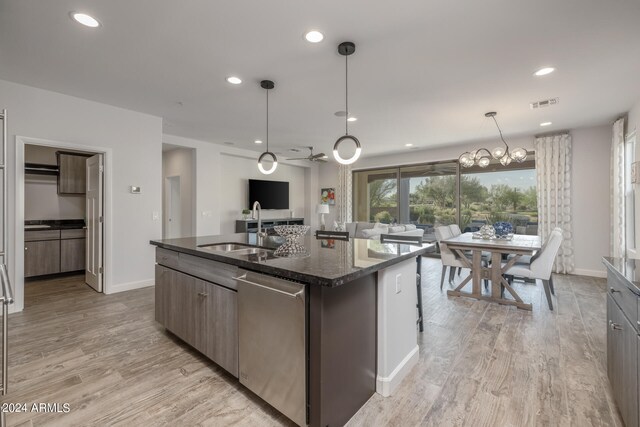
398,283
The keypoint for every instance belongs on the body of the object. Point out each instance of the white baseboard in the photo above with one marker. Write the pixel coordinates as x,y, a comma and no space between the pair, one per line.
122,287
386,386
591,273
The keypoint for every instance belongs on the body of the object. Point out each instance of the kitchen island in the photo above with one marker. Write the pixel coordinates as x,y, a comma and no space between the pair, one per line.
315,336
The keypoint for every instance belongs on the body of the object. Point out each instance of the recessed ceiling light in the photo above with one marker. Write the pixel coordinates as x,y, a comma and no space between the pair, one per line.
544,71
352,119
84,19
408,145
257,141
234,80
545,124
314,36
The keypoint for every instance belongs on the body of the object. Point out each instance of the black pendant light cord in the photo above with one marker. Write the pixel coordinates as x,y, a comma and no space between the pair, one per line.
267,119
500,130
346,95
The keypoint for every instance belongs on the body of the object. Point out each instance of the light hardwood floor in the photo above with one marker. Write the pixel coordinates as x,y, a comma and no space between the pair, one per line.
480,364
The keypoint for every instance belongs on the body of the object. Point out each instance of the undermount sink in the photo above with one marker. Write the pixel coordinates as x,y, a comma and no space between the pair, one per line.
231,247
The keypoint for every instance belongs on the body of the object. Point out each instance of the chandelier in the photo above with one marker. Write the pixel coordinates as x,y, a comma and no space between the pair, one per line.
482,157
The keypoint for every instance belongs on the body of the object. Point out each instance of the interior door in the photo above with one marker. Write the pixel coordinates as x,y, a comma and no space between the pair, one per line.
95,217
173,207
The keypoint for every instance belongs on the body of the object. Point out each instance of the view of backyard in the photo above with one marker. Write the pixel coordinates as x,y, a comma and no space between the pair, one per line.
485,197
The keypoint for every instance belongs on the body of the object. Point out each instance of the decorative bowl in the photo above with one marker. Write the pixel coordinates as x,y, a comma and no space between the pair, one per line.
486,232
503,229
291,248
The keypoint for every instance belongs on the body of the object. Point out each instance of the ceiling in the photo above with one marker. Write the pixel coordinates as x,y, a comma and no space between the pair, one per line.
424,71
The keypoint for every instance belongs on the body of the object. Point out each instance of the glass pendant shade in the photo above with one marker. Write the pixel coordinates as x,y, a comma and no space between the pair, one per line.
505,160
498,152
483,162
465,160
519,155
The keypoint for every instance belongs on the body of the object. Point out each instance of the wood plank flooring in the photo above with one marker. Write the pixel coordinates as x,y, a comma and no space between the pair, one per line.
480,364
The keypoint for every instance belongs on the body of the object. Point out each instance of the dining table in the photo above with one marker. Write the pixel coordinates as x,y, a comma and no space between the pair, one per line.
517,246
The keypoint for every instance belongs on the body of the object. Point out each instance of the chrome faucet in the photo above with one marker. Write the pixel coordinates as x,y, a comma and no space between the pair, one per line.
256,207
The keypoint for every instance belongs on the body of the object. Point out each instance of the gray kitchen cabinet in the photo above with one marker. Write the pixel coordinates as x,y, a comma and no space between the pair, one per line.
201,313
622,362
41,257
217,326
72,255
72,176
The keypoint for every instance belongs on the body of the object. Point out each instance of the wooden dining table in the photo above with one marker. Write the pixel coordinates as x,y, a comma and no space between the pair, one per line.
518,246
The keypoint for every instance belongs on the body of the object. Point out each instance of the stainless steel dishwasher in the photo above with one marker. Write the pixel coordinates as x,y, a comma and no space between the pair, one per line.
272,353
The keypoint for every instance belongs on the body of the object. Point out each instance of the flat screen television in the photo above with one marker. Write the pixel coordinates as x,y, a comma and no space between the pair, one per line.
270,194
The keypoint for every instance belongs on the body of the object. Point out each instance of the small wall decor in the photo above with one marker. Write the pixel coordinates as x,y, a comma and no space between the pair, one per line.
328,196
634,172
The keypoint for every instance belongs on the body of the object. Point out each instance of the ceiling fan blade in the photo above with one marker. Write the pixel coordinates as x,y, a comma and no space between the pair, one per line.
318,156
320,159
298,158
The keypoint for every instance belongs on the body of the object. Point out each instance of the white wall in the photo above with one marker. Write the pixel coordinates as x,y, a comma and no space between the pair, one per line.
135,143
41,198
234,194
591,198
590,185
181,162
218,181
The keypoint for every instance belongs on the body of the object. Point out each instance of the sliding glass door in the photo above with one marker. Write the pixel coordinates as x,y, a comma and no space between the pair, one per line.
375,196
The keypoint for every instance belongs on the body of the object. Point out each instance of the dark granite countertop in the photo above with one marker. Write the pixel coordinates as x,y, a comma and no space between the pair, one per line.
330,262
627,269
54,224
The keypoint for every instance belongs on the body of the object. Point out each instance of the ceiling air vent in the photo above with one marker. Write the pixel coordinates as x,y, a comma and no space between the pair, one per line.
544,103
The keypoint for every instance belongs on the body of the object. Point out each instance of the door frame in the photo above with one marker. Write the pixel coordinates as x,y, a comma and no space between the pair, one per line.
18,223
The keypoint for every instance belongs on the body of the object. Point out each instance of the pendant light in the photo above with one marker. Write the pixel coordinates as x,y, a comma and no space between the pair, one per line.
267,85
346,49
482,157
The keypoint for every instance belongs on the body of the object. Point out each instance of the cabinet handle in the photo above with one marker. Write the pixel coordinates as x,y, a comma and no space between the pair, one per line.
613,291
202,294
615,326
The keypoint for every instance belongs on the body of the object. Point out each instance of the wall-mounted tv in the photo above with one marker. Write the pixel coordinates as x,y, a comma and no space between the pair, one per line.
270,194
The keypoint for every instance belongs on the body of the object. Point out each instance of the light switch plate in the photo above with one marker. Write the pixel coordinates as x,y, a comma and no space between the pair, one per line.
155,216
398,283
135,190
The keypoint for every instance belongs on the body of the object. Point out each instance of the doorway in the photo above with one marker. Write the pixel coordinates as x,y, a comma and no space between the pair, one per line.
79,245
173,221
178,191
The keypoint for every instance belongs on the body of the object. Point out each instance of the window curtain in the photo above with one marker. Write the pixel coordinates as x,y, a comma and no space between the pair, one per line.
553,169
344,193
617,205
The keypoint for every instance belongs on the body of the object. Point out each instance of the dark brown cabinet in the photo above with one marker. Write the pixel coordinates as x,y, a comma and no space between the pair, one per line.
72,175
41,257
201,313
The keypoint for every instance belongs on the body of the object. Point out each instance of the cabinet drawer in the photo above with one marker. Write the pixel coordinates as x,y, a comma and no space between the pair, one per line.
209,270
33,235
73,234
622,295
167,257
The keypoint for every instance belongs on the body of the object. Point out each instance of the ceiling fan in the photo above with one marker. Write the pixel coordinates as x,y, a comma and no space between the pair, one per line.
320,157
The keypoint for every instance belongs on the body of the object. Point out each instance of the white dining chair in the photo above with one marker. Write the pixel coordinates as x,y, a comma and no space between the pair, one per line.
449,259
526,259
541,264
